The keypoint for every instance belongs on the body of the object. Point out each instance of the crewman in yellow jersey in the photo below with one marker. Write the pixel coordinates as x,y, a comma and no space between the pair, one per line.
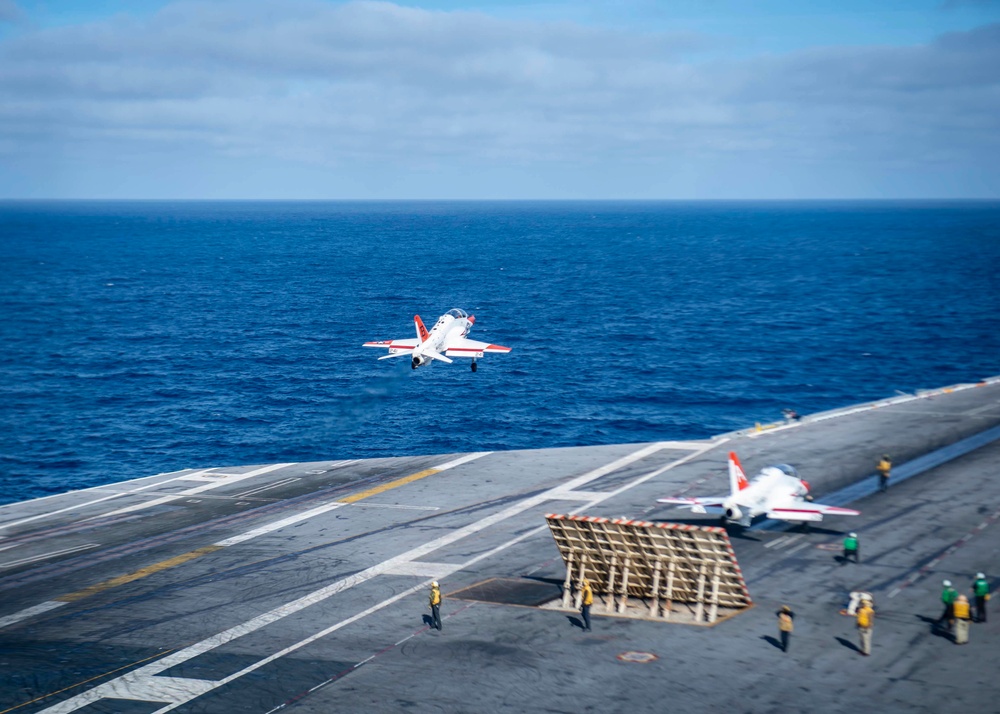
866,621
785,625
586,600
884,466
435,603
962,619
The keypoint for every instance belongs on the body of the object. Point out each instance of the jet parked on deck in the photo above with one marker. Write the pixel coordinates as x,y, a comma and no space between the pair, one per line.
777,492
446,339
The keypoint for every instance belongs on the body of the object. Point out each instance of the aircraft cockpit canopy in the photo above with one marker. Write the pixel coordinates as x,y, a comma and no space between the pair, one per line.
787,470
457,314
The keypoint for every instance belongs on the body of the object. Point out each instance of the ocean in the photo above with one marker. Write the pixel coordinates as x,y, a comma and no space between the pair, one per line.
146,337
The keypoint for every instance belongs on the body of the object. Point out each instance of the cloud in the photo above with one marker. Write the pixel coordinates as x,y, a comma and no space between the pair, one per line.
377,84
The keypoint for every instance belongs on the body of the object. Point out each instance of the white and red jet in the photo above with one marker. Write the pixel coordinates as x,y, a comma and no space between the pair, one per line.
776,492
446,339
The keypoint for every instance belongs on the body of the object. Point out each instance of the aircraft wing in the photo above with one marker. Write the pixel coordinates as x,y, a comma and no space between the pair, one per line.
797,510
697,505
396,348
464,347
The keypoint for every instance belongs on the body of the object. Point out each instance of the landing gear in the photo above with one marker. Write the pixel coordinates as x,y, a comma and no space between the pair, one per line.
474,366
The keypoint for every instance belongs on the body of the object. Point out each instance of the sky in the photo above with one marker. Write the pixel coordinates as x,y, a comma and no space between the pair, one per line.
445,99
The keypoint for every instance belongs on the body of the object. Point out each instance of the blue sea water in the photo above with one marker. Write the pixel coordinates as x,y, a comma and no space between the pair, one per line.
142,337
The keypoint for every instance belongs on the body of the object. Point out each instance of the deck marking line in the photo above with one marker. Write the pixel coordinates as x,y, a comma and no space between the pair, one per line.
382,488
423,585
950,550
243,537
137,574
45,556
107,689
797,548
197,489
30,612
397,506
277,525
268,487
101,487
118,494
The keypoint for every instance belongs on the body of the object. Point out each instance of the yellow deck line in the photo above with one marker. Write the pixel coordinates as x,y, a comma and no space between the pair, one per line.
389,486
185,557
137,574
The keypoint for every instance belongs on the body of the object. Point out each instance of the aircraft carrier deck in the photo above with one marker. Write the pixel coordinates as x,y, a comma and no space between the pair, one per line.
303,587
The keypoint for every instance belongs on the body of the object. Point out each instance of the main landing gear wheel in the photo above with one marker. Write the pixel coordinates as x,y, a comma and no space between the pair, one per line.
474,366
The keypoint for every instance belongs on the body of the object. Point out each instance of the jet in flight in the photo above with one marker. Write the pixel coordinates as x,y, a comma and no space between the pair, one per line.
446,339
776,492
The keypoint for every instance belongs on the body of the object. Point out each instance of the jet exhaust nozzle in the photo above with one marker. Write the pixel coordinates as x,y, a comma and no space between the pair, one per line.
733,513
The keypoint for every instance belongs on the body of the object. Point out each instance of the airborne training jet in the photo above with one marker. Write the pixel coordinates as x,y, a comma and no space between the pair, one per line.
446,339
777,492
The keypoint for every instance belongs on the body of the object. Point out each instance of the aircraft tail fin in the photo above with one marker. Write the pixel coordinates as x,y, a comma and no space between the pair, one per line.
737,477
422,333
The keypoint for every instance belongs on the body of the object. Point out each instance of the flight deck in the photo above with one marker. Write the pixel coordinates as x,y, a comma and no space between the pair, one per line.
302,587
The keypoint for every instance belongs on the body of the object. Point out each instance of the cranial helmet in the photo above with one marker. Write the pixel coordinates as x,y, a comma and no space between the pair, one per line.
980,576
947,583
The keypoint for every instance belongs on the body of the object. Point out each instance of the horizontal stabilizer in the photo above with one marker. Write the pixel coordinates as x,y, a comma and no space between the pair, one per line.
407,344
401,353
464,347
697,505
794,514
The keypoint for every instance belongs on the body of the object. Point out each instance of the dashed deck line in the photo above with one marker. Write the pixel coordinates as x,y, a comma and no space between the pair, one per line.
929,566
235,540
125,683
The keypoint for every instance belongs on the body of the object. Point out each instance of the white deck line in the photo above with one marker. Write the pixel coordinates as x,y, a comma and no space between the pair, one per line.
45,556
119,494
101,487
248,535
268,487
196,490
127,681
30,612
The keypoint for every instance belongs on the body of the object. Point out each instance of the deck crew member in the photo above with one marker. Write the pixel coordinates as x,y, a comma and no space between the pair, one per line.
865,620
961,611
852,548
785,626
948,596
586,600
435,603
883,467
981,591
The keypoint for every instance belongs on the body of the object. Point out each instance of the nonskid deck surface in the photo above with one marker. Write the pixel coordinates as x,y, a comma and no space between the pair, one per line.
304,586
